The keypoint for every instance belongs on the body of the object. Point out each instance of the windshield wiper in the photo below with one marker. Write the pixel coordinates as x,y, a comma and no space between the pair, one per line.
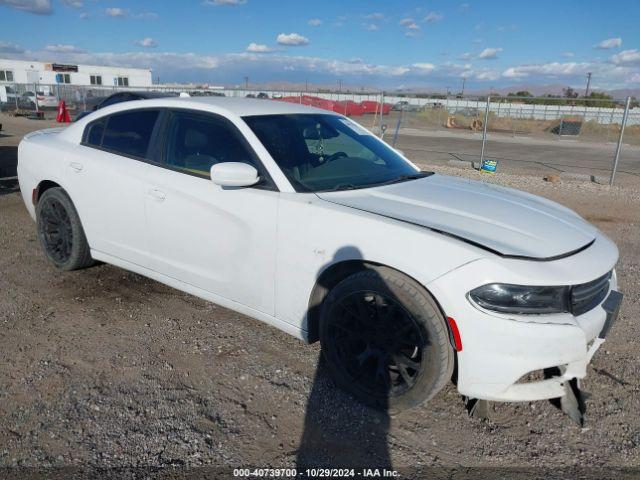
401,178
343,186
409,176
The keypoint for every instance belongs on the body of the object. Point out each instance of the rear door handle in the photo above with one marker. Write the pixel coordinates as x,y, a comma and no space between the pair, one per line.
157,194
75,166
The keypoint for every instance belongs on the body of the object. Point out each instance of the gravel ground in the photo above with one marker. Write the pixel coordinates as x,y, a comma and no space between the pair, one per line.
107,373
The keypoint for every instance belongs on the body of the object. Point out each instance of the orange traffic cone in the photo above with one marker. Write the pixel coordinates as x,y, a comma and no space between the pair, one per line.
63,113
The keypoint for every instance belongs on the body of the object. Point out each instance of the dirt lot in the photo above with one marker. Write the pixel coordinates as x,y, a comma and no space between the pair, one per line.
103,370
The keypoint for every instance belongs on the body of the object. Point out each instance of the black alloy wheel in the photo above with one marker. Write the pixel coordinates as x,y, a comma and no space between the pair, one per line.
56,231
378,343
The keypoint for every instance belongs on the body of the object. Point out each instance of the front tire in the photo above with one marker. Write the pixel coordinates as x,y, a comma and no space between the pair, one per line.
60,231
385,340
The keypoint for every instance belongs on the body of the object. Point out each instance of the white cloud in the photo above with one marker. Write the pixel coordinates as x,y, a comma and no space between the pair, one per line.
552,69
411,27
487,75
610,43
60,48
486,54
433,17
627,57
371,27
116,12
73,3
464,7
315,22
39,7
424,67
619,71
568,54
259,48
292,39
489,53
7,47
217,3
147,42
375,16
145,15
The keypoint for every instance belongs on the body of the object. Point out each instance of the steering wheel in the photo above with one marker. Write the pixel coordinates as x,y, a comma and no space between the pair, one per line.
336,156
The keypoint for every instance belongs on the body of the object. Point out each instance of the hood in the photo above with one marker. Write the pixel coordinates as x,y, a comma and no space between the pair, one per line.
506,221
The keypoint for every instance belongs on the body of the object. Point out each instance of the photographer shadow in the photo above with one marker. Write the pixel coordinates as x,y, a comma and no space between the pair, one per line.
340,432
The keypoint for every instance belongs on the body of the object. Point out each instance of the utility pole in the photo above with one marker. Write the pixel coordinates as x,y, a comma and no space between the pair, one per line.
586,92
464,80
246,83
448,91
306,85
340,85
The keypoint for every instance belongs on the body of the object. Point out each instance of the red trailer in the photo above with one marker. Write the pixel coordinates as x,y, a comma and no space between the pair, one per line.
348,108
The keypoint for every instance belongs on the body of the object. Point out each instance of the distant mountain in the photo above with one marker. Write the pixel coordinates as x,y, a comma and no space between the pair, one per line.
535,90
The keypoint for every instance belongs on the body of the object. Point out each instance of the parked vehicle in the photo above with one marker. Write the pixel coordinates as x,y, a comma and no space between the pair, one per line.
118,97
44,100
303,219
406,106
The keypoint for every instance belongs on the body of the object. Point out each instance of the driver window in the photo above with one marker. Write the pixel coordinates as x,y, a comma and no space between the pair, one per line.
196,142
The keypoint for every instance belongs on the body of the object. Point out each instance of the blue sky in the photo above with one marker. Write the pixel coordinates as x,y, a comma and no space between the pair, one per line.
427,44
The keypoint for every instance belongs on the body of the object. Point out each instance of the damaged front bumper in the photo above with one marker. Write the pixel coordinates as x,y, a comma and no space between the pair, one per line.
510,358
557,385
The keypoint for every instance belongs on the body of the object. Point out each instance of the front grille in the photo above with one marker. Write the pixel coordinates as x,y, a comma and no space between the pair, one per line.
586,296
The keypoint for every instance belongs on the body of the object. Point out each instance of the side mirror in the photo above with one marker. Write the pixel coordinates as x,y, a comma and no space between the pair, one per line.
234,174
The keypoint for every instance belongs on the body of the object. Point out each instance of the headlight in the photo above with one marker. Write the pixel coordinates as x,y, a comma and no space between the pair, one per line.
522,299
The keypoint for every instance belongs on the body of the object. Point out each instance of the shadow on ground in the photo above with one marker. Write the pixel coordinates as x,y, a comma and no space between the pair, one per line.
8,168
339,432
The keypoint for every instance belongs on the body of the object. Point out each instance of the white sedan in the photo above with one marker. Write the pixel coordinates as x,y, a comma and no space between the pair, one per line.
304,220
43,99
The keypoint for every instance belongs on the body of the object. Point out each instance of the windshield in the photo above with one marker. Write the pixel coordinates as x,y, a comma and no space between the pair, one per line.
320,152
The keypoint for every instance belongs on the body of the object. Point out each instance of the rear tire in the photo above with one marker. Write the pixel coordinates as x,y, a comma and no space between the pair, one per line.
60,231
385,340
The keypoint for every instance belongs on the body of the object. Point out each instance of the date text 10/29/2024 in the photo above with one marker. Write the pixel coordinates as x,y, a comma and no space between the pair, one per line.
315,473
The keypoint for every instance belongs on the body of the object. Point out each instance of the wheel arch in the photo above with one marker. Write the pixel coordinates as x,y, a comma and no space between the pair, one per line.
42,187
334,274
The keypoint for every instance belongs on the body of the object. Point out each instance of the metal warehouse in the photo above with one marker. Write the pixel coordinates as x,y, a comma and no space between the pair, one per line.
25,71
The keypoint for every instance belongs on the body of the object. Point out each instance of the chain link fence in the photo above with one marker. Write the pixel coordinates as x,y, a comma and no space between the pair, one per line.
573,136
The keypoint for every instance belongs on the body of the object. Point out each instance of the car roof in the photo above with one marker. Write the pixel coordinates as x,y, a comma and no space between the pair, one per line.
243,107
238,106
227,106
143,94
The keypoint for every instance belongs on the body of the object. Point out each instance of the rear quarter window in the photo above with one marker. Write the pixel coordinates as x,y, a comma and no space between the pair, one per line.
129,133
93,133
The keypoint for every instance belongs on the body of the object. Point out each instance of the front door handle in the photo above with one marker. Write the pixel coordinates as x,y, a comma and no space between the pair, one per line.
157,194
76,167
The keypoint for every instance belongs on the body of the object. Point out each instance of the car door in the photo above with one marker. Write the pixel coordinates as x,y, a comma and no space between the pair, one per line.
221,240
106,177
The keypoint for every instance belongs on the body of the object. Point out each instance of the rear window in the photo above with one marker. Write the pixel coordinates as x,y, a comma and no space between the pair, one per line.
129,133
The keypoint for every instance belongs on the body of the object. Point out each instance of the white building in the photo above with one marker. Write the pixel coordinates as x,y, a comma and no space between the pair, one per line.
26,71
